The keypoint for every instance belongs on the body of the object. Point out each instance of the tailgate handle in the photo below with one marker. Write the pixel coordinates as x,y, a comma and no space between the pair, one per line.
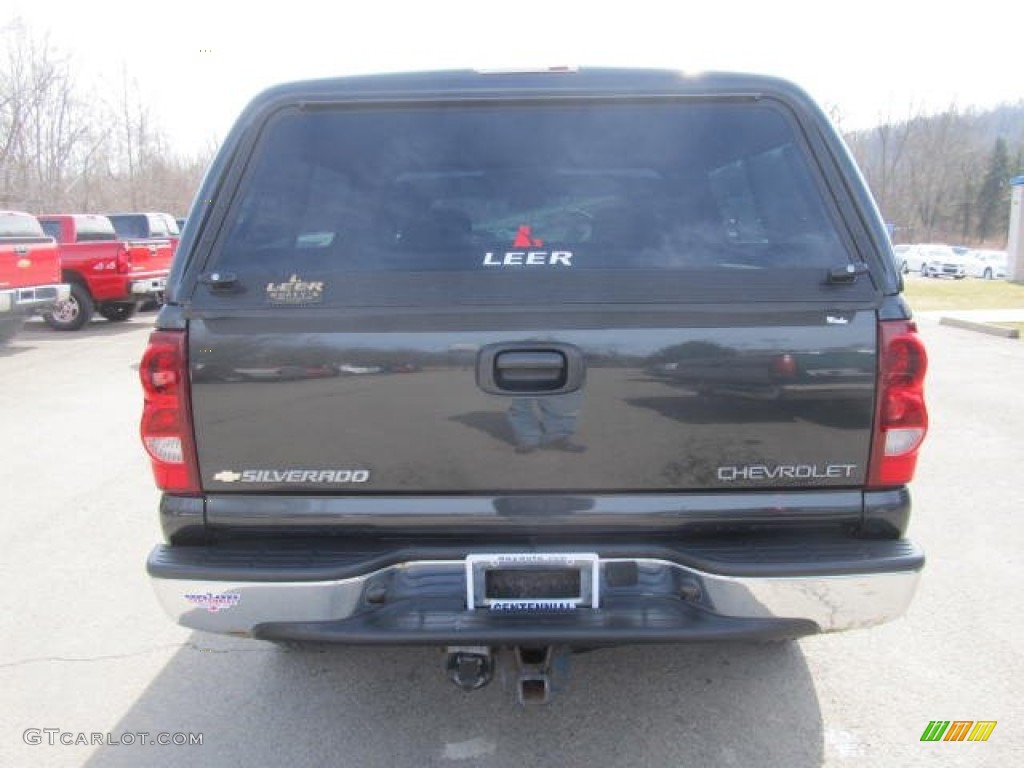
528,369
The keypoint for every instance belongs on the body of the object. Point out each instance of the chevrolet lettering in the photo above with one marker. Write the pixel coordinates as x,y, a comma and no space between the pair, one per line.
534,362
786,472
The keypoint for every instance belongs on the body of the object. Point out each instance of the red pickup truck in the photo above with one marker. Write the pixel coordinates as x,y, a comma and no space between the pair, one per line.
29,271
107,274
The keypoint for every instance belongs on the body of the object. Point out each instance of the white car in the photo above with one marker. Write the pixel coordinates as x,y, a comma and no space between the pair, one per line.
933,260
990,265
899,253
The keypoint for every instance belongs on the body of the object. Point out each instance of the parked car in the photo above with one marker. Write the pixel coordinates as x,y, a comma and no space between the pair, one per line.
911,258
990,265
950,264
933,260
899,253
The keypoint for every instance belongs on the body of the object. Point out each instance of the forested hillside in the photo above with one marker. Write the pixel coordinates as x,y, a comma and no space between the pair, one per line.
945,177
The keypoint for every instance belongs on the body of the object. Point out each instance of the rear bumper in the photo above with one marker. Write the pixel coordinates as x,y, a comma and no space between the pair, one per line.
151,286
36,298
755,591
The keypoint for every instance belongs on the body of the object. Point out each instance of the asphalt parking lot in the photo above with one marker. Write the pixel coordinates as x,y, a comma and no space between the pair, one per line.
86,650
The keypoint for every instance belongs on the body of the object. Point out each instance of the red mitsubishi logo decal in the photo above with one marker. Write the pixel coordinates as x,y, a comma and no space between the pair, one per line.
525,238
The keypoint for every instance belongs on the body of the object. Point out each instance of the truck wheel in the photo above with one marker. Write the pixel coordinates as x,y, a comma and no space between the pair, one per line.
988,273
118,312
72,314
924,270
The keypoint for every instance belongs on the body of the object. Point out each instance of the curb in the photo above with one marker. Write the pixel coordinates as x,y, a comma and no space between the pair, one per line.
971,325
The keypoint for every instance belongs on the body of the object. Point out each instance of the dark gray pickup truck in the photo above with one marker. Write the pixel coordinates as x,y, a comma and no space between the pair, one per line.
533,361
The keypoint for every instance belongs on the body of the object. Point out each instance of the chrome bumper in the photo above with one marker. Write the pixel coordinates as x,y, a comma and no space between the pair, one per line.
33,298
830,602
150,287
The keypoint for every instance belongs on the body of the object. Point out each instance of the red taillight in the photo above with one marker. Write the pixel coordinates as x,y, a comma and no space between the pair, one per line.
167,413
124,261
901,418
784,366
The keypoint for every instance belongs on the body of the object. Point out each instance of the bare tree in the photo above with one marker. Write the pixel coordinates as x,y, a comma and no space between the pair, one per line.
43,124
60,151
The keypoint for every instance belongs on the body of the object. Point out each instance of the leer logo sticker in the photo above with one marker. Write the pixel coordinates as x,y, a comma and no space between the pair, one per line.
529,257
295,291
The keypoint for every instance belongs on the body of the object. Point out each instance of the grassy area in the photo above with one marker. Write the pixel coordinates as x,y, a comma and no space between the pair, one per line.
927,294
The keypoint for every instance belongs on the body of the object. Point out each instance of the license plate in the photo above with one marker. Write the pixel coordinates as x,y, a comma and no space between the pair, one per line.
532,582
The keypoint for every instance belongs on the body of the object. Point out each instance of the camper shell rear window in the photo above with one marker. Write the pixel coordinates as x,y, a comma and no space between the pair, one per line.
711,190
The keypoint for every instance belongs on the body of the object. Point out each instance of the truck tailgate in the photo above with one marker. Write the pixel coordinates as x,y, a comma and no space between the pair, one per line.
768,400
28,263
148,256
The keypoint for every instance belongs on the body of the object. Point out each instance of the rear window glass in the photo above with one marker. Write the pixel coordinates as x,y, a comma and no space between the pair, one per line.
14,226
131,226
158,226
673,187
92,228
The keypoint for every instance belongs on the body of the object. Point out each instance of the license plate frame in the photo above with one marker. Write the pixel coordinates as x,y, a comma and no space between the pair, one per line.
546,570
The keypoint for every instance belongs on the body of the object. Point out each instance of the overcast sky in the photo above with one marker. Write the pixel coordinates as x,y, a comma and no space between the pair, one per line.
197,62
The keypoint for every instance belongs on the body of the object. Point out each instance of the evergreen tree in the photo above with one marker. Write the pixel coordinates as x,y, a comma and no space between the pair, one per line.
993,196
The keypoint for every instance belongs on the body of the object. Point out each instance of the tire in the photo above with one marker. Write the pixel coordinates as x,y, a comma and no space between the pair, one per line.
72,314
904,268
118,312
988,273
924,270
